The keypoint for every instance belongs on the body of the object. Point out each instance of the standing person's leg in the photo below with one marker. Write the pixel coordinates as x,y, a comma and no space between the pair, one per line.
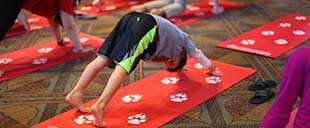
76,95
54,25
23,19
9,10
291,84
302,119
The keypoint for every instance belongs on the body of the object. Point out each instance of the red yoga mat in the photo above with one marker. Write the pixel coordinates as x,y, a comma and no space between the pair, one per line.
201,10
27,60
272,39
156,99
35,23
108,6
290,124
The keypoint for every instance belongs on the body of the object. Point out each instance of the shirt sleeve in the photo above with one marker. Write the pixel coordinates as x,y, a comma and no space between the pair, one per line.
195,53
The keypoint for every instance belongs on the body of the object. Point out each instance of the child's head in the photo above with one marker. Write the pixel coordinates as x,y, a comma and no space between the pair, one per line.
178,63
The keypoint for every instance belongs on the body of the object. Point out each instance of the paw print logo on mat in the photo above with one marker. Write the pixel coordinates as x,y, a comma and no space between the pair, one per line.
198,66
131,98
87,119
170,80
110,8
298,32
179,97
268,33
285,25
6,60
40,61
192,8
45,50
86,8
137,118
213,80
33,20
199,14
84,39
281,41
300,18
133,2
248,42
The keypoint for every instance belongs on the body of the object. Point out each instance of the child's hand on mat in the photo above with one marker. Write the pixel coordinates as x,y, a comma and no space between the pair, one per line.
213,71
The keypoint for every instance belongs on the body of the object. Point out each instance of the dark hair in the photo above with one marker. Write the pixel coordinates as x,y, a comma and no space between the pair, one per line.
180,65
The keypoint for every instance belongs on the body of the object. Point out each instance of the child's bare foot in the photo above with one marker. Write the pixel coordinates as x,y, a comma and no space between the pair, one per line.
98,112
76,102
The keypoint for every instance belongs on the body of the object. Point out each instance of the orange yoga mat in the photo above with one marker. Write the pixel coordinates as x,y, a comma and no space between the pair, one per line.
27,60
272,39
202,10
35,23
156,99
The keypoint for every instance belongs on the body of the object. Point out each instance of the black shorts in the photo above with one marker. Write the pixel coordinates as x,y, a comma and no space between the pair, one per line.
134,38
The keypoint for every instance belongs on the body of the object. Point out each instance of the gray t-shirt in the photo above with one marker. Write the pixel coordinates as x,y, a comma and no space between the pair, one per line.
172,40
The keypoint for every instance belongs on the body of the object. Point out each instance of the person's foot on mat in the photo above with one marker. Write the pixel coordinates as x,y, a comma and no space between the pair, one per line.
261,96
261,85
76,101
97,111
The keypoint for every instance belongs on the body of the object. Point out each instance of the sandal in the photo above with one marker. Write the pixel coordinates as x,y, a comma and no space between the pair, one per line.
261,85
261,96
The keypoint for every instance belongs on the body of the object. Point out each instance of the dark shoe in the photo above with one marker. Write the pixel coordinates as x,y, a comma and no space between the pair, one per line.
261,96
261,85
84,16
61,42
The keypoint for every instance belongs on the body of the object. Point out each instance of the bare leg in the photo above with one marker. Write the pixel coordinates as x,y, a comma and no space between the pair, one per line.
113,84
75,96
22,18
55,29
68,23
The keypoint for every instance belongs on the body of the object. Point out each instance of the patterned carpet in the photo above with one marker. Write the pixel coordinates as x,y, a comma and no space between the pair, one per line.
38,96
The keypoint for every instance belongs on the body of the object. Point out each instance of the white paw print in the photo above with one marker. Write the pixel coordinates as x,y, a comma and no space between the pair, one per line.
179,97
285,25
248,42
110,8
198,66
87,119
199,14
137,118
298,32
86,8
213,80
1,73
84,39
268,33
40,61
131,98
45,50
281,41
32,20
133,2
192,8
300,18
6,60
170,80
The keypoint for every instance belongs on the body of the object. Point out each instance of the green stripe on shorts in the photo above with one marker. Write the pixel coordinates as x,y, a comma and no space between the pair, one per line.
143,44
